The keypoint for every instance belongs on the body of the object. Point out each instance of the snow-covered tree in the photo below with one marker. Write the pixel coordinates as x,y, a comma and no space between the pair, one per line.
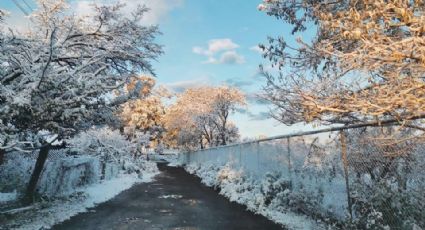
225,102
145,115
57,76
61,74
366,62
199,118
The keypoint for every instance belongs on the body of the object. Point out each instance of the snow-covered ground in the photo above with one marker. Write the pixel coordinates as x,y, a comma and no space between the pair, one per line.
265,197
45,214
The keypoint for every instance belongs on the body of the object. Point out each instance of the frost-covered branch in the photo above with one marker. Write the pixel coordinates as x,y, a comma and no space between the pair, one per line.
58,75
365,63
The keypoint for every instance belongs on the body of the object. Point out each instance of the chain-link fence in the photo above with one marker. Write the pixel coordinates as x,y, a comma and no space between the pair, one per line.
364,178
62,174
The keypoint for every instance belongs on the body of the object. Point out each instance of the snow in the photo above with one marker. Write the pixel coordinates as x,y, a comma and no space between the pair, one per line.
69,94
315,178
104,191
244,189
305,187
148,176
174,160
7,197
72,185
61,210
172,196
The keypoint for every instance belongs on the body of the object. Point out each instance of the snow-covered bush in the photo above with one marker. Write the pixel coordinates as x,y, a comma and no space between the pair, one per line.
387,182
274,185
384,206
269,196
104,142
111,147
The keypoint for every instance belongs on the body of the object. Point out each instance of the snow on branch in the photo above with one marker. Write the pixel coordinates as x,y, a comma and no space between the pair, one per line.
55,76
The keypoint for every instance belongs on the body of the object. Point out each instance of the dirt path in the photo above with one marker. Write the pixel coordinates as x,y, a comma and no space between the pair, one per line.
175,200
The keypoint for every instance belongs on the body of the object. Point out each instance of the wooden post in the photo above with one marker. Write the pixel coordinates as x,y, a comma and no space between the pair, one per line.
35,176
345,164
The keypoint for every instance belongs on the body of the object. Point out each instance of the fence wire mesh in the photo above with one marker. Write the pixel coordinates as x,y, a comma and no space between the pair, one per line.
63,172
367,177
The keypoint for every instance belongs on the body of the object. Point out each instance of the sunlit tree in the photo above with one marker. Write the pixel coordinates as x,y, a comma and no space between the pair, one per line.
201,116
366,62
144,115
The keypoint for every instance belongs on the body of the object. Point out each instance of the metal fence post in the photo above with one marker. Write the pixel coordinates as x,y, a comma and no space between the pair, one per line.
258,155
345,164
240,155
289,157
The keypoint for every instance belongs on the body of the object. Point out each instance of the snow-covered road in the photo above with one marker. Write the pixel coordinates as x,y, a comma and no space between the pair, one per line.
175,200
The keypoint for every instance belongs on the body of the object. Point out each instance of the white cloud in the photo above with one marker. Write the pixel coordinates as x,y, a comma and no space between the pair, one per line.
181,86
257,49
217,45
224,48
211,60
198,50
231,57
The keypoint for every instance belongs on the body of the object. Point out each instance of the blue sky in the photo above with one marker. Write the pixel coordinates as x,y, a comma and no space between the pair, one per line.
207,42
194,24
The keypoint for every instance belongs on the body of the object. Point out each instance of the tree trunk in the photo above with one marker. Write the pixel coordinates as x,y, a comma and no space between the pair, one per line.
223,138
201,142
2,154
224,130
39,165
